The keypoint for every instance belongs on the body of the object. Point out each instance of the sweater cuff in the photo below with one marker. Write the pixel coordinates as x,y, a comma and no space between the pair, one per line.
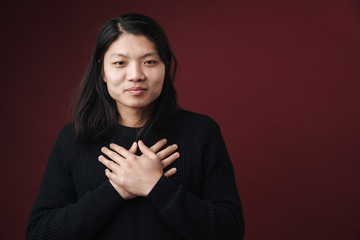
106,197
163,192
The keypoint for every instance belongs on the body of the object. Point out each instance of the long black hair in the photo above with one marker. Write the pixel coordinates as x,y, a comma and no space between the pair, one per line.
96,115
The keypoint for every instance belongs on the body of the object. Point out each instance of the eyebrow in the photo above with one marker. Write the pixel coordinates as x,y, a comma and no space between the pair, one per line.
150,54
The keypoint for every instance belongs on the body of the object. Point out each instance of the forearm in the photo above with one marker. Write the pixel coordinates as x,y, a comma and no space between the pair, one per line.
79,220
195,218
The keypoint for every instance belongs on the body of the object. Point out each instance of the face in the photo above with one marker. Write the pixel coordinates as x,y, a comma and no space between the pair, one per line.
133,72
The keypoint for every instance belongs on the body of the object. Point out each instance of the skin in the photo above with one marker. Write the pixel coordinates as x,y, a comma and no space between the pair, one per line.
167,156
134,75
132,62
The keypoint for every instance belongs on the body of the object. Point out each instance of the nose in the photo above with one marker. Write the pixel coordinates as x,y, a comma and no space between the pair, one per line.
135,73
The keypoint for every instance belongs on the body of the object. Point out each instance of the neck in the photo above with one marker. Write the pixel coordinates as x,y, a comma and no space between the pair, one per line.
133,117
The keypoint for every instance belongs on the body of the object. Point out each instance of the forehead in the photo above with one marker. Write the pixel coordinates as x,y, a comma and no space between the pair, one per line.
131,45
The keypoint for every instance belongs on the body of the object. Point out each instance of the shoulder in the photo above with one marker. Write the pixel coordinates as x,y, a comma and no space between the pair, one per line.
67,137
193,119
202,132
64,147
68,131
197,124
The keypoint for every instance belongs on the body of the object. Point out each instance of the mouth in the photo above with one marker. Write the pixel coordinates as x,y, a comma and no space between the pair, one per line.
136,90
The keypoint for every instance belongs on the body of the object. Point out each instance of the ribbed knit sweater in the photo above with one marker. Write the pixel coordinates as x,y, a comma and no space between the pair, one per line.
77,201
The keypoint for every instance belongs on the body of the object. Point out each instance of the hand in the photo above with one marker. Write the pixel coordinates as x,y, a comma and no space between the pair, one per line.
167,156
135,174
166,161
125,194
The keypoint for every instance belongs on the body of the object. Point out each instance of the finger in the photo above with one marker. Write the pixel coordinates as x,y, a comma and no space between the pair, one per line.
133,148
145,150
110,175
167,161
170,172
109,164
112,155
157,146
122,151
167,151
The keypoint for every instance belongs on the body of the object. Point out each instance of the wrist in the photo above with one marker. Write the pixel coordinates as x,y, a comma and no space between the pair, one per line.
123,193
153,184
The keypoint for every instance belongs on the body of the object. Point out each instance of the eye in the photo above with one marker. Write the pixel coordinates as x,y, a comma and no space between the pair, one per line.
119,63
150,62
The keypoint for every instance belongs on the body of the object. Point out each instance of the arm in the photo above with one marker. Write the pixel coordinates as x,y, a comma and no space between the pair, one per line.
165,157
56,213
218,213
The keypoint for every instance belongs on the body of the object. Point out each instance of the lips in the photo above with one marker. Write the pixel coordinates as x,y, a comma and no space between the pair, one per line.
136,90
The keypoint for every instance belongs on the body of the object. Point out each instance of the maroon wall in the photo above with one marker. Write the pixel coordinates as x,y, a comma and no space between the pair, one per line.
281,79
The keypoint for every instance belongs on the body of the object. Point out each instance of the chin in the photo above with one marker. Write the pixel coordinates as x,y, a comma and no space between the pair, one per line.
139,106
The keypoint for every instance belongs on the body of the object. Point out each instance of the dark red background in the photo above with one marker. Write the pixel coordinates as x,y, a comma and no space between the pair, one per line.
280,77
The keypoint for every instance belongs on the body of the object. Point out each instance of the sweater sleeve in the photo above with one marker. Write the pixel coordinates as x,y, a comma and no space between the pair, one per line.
56,213
218,213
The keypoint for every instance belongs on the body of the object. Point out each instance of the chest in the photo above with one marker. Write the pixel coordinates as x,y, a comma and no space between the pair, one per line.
88,173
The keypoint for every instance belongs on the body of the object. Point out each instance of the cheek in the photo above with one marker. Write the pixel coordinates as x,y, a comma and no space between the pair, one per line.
113,79
113,85
111,91
158,84
111,75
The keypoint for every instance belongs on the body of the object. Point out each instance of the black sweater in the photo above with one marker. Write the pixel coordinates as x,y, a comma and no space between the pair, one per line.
76,200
